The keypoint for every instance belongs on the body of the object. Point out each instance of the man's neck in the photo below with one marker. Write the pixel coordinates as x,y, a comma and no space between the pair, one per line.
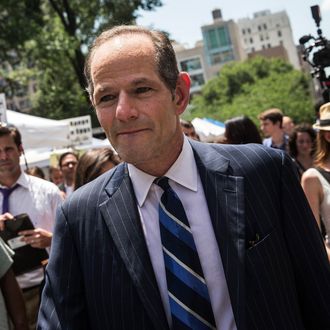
8,180
68,183
278,138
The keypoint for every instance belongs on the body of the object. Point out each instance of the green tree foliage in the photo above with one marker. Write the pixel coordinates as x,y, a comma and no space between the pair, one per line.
250,87
48,40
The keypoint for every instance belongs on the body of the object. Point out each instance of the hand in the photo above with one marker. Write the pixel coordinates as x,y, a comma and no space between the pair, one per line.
4,217
37,238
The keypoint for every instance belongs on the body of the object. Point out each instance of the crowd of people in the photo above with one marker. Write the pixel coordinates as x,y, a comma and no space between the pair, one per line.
236,245
307,145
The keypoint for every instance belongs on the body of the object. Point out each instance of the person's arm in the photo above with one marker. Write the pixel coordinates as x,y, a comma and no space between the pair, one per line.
14,300
314,193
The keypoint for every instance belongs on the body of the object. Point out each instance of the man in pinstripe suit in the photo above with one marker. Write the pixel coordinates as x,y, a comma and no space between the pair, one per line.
260,249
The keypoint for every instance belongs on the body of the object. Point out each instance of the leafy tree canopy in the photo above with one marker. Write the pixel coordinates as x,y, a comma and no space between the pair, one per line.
250,87
48,40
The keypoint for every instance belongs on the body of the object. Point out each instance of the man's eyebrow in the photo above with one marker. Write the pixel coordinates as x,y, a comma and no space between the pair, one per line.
101,89
139,81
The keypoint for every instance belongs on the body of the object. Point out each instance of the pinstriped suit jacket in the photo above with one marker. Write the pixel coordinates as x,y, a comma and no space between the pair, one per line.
100,276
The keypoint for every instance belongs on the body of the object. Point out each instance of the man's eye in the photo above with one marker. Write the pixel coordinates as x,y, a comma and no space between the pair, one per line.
106,98
142,90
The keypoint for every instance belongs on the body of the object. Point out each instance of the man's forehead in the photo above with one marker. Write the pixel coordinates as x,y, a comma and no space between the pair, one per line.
123,46
6,140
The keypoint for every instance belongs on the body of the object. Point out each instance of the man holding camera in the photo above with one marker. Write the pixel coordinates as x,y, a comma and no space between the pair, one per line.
22,193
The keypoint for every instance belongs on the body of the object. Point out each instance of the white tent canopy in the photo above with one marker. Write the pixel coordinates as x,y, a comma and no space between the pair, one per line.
38,132
41,157
207,128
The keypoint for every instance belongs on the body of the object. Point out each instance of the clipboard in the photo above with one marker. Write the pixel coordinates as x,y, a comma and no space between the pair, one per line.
26,257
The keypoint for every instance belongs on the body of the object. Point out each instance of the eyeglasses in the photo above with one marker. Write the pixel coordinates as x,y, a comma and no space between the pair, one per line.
69,164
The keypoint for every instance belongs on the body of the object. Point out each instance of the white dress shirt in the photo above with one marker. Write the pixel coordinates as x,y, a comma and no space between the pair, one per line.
39,199
185,181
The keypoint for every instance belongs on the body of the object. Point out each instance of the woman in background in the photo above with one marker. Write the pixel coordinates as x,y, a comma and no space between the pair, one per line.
93,163
36,171
301,146
241,130
316,181
55,175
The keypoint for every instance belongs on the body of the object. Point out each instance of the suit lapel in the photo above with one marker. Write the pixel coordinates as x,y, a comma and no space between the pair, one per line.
225,198
122,219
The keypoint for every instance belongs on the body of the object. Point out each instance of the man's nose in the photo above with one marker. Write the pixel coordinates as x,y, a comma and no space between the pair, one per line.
3,155
126,107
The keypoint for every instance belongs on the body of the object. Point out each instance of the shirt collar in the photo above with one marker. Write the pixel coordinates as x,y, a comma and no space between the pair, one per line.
183,172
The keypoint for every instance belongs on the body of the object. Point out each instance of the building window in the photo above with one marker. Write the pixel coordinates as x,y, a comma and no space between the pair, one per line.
259,27
263,47
243,31
279,33
223,36
251,40
249,30
269,46
217,38
261,38
265,26
197,80
191,64
281,42
222,57
212,39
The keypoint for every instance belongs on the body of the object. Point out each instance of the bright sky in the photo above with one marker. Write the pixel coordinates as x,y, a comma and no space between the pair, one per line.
183,18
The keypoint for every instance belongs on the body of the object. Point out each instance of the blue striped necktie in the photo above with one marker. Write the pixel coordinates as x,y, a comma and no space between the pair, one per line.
188,294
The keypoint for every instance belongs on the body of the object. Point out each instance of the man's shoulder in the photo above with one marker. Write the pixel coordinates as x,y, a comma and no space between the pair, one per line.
241,160
42,184
96,188
253,150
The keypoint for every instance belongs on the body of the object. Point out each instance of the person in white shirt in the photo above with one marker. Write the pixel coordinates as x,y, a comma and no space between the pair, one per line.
34,196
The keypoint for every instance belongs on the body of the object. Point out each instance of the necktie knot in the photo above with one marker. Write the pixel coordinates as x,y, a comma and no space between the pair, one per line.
162,182
6,193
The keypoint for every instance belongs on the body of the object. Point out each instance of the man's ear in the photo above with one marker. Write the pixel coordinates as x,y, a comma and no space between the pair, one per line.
21,149
182,92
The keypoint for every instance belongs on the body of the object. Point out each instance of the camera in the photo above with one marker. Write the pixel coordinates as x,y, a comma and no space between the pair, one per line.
316,52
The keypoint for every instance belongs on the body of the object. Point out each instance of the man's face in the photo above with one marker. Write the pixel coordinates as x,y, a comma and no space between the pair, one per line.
57,176
9,156
287,125
267,127
137,111
68,167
